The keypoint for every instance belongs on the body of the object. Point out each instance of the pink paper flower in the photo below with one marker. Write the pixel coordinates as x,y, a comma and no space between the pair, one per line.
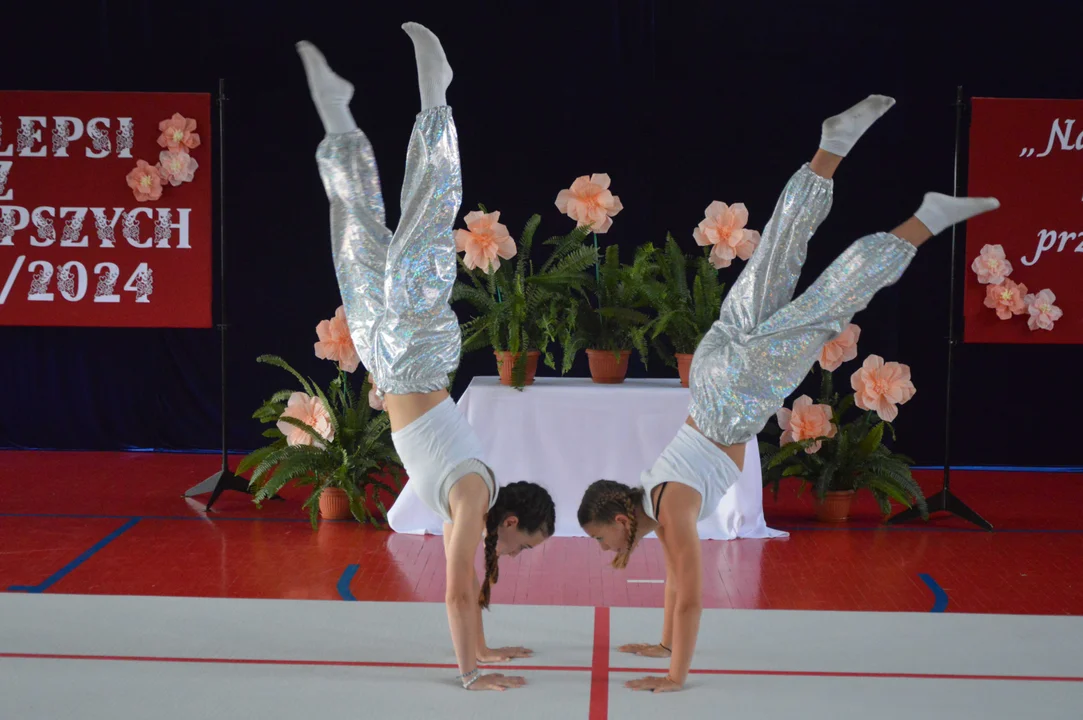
1006,298
991,266
1043,313
842,349
882,386
484,241
589,202
177,133
176,167
724,228
335,342
805,422
145,181
312,412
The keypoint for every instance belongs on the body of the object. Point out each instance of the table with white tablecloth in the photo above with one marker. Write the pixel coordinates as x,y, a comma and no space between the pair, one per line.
565,433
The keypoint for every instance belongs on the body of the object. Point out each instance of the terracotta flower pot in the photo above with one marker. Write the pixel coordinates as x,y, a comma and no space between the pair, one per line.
684,366
334,504
505,364
835,507
608,367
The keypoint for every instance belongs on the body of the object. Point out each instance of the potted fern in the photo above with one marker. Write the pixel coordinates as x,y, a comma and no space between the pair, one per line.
609,320
521,309
838,457
332,442
684,313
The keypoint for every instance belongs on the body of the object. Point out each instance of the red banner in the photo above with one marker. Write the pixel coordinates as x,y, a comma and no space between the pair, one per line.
91,236
1027,153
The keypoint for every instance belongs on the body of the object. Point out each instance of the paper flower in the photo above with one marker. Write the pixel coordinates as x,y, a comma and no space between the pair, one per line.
1006,298
882,386
311,411
723,227
335,342
145,181
589,202
805,422
176,167
991,266
484,241
842,349
177,133
1043,313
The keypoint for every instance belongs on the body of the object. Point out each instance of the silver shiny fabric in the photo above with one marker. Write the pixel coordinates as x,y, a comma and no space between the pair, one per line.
762,345
396,287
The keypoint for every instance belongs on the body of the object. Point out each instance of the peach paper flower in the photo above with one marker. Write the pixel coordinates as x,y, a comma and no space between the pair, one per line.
841,349
724,228
311,411
991,266
882,386
1006,298
176,167
804,422
335,342
1043,313
484,241
145,181
177,133
589,202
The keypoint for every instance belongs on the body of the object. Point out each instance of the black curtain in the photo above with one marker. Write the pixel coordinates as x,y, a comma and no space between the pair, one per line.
681,103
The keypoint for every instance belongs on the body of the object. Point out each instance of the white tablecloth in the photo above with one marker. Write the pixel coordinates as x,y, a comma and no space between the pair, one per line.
565,433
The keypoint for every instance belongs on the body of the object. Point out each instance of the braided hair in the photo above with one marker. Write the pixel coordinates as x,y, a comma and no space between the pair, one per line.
603,501
533,506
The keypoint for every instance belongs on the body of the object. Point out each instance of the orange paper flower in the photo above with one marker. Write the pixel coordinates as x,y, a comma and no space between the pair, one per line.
1043,313
991,266
724,228
842,349
1006,298
176,167
882,387
589,202
145,181
177,133
335,342
805,422
312,412
484,241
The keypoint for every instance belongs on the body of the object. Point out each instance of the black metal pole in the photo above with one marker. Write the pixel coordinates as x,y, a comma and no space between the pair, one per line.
224,479
951,296
944,500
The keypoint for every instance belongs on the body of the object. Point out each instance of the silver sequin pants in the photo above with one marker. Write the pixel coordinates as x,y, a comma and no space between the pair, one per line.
396,286
763,345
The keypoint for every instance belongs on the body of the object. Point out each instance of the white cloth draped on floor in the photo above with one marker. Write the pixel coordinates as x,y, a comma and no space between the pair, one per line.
565,433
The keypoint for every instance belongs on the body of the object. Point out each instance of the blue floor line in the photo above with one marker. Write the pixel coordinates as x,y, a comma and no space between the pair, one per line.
86,555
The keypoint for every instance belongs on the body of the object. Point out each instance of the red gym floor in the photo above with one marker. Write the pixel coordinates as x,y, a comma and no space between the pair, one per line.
115,524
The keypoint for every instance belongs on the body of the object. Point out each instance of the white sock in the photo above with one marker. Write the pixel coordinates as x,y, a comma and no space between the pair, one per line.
331,93
433,72
841,132
939,212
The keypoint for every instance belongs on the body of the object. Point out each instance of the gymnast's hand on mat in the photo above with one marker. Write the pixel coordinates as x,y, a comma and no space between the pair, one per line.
652,651
653,683
495,655
496,681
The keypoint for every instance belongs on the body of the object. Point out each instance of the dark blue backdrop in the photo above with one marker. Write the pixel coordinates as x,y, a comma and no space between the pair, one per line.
680,102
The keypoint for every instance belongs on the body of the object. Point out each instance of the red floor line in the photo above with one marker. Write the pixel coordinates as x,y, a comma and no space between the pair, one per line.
891,676
599,667
263,661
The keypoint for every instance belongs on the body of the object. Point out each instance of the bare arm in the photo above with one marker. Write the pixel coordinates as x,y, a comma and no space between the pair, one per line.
467,507
687,580
671,594
481,646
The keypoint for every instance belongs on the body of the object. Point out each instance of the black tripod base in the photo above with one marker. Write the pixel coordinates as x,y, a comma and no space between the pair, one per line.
217,484
945,501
